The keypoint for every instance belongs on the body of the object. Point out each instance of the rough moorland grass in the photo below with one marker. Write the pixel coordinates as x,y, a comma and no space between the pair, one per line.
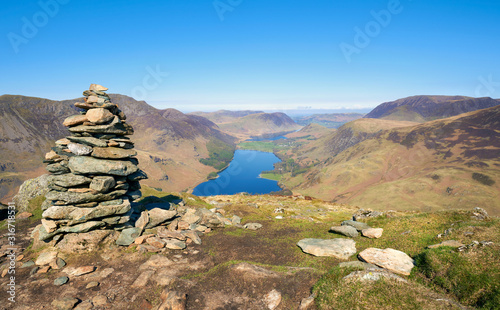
333,292
473,276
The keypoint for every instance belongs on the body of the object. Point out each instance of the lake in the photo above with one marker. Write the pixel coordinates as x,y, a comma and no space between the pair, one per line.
242,175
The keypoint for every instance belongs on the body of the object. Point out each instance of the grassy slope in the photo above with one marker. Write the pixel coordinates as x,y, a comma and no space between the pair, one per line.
430,167
441,278
474,281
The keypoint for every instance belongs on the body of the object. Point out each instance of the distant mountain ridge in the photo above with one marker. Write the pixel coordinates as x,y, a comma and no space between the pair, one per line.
329,120
426,108
224,116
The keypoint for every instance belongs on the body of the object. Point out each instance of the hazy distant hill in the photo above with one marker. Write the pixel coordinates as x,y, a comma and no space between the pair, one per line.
246,124
426,108
329,120
447,163
260,124
224,116
170,144
311,130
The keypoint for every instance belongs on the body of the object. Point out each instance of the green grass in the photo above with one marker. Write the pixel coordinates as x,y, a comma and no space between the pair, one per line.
472,277
262,146
271,176
333,292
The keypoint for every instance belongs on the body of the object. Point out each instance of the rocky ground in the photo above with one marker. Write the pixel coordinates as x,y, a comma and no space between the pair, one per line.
252,264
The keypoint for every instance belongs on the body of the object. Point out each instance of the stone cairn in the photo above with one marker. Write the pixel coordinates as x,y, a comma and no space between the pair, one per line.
94,174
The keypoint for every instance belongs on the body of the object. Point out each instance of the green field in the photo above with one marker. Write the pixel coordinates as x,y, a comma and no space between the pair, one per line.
271,176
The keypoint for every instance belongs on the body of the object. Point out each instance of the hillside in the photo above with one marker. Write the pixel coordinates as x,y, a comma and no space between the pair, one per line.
253,259
224,116
426,108
170,144
436,165
329,120
326,144
28,128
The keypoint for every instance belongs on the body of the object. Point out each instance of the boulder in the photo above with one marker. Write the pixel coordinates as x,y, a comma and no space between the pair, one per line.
143,220
99,115
115,127
358,225
61,280
79,215
193,236
45,258
113,153
128,236
158,216
390,259
102,184
50,226
340,248
75,120
79,271
57,264
175,244
79,228
345,230
79,149
97,87
88,141
90,165
156,242
75,198
58,168
30,189
69,180
372,233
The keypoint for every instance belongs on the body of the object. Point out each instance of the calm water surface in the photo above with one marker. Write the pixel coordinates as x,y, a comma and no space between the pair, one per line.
242,175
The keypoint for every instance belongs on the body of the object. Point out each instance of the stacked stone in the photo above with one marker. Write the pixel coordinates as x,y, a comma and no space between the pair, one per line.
94,173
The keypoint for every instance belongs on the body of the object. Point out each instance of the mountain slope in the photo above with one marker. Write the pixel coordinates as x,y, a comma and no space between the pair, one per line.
426,108
170,144
448,163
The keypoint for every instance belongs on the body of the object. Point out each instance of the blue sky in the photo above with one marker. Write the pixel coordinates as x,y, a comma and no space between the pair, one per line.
252,54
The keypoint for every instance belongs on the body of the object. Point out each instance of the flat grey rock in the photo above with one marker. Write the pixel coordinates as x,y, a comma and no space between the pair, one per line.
358,225
340,247
345,230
